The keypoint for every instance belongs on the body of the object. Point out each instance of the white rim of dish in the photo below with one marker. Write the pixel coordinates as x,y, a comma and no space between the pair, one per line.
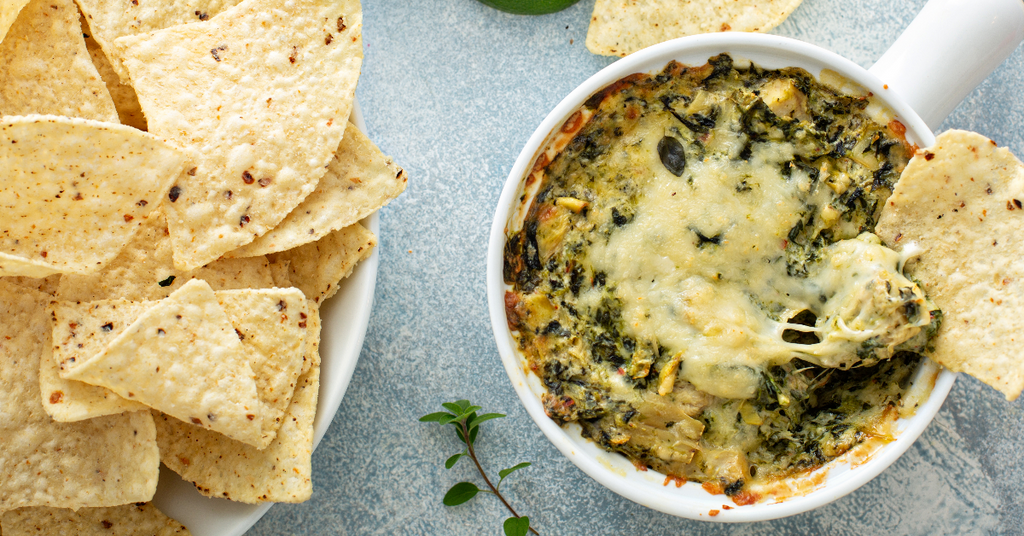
769,51
345,318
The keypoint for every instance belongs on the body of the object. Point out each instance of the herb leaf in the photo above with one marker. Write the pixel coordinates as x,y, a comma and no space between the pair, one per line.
505,472
482,418
460,493
433,417
167,282
450,462
517,526
453,407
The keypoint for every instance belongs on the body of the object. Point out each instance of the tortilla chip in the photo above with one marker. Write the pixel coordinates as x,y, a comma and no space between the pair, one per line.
183,357
45,67
100,462
220,467
621,27
279,271
960,202
259,97
144,270
110,20
126,520
74,192
80,331
9,10
311,344
317,268
46,285
272,324
359,180
126,102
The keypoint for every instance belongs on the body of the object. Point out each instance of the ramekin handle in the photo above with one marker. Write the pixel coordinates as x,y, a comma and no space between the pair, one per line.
949,48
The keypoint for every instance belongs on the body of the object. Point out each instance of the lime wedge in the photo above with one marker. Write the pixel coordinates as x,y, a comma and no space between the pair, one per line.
529,7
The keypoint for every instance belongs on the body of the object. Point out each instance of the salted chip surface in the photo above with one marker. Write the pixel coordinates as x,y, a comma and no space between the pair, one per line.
316,268
960,203
9,10
360,179
100,462
126,102
259,97
46,69
125,520
144,270
74,191
80,331
183,357
272,324
221,467
621,27
111,20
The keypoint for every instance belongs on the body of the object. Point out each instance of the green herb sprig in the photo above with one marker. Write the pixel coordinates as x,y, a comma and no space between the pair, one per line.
463,416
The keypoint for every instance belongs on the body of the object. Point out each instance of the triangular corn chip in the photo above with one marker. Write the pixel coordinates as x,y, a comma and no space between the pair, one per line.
259,97
100,462
144,270
621,27
272,324
125,520
46,69
73,192
220,467
960,203
111,19
80,331
129,111
183,357
359,180
317,268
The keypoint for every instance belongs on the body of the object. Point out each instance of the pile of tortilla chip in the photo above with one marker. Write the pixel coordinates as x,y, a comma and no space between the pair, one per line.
622,27
180,191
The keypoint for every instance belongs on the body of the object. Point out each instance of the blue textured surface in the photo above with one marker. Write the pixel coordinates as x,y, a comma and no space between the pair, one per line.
452,90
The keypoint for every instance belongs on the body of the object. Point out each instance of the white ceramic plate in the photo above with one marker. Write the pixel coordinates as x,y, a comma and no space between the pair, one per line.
344,321
613,470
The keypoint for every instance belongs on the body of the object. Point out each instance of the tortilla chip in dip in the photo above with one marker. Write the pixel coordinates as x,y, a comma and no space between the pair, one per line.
960,204
259,97
621,27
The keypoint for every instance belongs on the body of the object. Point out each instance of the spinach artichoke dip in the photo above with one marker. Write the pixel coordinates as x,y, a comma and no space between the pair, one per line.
695,280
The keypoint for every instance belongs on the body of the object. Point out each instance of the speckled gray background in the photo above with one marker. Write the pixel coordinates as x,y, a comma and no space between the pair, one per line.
452,89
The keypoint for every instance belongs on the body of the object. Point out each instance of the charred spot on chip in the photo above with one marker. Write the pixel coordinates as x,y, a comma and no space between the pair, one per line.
128,218
160,332
56,397
196,420
78,197
302,324
247,177
328,39
142,203
241,337
265,181
108,326
228,194
243,220
928,156
215,52
43,254
174,194
211,417
281,305
106,524
202,15
184,461
294,55
341,24
192,172
250,416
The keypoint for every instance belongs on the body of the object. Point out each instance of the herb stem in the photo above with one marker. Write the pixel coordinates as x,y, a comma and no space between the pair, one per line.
494,490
